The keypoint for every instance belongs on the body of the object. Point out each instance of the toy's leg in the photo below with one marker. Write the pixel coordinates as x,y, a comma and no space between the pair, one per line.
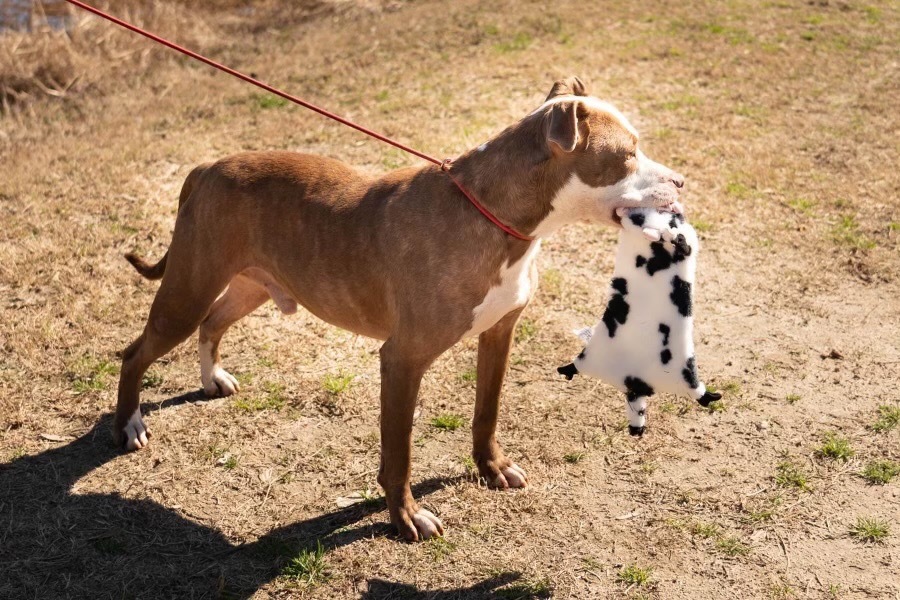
636,409
704,396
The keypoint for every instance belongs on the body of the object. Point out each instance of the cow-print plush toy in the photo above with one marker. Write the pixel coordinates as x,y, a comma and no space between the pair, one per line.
644,342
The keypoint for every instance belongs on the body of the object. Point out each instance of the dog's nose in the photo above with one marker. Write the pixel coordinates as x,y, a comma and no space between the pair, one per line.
678,180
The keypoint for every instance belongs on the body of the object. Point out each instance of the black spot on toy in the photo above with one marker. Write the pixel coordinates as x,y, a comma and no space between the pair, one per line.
708,398
637,218
664,329
681,296
569,370
662,259
636,387
636,431
616,313
689,372
620,284
665,356
582,354
676,220
682,248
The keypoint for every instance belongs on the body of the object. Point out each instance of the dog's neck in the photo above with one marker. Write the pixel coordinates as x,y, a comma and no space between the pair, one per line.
513,174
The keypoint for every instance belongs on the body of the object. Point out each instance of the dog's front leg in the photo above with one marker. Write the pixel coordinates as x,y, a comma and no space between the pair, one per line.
493,356
402,368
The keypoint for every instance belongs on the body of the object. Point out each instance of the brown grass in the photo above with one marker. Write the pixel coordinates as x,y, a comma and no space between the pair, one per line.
782,117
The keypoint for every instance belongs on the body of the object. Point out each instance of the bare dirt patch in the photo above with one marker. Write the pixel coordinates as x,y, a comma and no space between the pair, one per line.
782,117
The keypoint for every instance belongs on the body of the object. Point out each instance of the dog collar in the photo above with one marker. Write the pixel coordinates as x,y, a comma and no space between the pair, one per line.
445,167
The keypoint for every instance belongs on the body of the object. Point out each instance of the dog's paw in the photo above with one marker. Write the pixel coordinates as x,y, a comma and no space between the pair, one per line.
220,384
135,435
416,524
512,476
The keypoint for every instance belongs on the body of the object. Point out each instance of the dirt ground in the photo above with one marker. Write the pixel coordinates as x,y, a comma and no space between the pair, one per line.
783,118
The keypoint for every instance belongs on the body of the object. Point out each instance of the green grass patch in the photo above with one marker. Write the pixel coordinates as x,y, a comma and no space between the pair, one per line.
337,384
870,529
151,379
470,375
273,398
439,548
846,233
728,387
469,465
701,226
716,406
573,458
530,590
731,546
802,205
792,398
94,375
635,575
309,567
520,41
738,190
447,422
888,418
880,472
526,330
267,101
781,591
705,530
679,102
551,282
835,447
788,474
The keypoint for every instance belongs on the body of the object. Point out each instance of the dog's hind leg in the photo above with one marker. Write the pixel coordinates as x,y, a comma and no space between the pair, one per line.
182,302
242,297
493,356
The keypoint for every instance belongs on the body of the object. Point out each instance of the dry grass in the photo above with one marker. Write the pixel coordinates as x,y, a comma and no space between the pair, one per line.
780,115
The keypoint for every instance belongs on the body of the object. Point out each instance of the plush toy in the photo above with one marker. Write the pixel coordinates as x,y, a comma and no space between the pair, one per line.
644,342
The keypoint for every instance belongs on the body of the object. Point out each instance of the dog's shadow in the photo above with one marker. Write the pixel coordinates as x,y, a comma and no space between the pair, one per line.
59,544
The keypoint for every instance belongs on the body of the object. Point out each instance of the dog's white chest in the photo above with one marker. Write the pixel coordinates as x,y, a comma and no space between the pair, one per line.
514,291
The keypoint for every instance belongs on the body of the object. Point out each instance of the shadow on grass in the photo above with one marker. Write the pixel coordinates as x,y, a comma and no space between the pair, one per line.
497,587
59,544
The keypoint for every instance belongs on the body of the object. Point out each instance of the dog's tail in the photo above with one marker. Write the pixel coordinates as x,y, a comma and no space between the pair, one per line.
156,271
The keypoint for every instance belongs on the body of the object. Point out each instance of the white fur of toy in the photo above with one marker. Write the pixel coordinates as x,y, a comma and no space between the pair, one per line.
639,352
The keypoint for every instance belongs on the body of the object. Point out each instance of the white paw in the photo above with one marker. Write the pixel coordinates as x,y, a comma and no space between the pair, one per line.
512,476
220,383
427,525
136,433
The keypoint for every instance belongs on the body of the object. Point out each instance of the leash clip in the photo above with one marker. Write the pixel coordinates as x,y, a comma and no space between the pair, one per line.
446,164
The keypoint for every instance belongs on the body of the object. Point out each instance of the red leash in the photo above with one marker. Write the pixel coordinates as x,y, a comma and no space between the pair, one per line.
443,164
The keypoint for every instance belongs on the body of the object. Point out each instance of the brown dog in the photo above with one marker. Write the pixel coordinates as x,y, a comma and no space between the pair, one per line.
403,258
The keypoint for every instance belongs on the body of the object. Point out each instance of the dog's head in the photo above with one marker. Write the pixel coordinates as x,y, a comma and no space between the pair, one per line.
596,150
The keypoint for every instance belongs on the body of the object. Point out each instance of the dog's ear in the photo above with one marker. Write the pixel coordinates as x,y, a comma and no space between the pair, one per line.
570,86
562,126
